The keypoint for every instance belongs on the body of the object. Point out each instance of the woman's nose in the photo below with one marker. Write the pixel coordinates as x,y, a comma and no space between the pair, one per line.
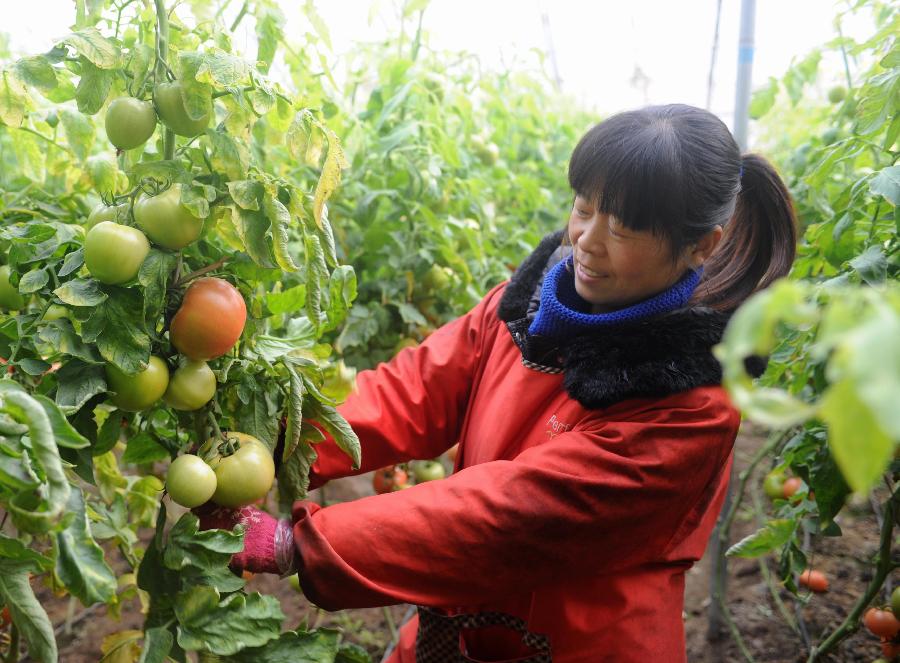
593,239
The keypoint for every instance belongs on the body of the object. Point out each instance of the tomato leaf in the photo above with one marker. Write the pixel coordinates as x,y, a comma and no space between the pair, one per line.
280,219
120,336
93,87
229,156
226,628
72,263
17,552
81,292
33,281
158,643
36,70
143,448
331,174
154,276
63,432
96,48
77,383
14,100
80,563
337,427
773,535
861,447
28,615
318,646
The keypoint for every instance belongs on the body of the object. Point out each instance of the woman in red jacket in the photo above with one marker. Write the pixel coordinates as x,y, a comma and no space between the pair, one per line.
594,436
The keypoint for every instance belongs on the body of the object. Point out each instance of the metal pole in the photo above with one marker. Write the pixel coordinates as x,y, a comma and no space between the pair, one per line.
744,73
741,121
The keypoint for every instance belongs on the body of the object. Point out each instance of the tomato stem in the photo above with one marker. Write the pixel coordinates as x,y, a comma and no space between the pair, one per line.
162,52
203,270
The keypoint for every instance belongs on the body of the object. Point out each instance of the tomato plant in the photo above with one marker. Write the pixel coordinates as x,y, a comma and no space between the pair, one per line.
93,424
828,328
190,481
243,467
210,319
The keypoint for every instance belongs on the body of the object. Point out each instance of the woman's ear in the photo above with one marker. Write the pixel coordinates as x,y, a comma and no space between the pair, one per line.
703,249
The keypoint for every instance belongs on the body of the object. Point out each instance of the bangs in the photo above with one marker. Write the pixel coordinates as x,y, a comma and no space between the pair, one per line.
629,167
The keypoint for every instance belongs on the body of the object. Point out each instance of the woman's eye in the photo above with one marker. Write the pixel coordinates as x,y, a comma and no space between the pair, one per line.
584,214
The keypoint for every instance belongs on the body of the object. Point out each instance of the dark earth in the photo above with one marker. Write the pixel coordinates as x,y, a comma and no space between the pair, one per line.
846,561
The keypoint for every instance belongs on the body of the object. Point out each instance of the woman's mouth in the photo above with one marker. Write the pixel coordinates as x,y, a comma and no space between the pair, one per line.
587,274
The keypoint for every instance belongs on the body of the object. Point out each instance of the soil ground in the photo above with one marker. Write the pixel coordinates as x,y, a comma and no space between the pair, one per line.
765,632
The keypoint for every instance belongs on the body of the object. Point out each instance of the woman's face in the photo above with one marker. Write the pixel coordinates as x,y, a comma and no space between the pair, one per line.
616,267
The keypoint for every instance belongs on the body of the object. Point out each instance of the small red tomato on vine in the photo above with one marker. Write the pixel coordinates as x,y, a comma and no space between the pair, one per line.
814,580
5,617
790,486
881,622
389,479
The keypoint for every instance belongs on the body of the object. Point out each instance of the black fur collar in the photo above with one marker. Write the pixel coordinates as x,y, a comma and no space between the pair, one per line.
648,358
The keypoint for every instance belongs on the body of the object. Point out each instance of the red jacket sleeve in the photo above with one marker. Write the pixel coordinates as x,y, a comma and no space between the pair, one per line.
413,406
616,496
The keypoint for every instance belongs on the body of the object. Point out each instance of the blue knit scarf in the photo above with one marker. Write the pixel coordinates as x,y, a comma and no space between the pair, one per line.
562,310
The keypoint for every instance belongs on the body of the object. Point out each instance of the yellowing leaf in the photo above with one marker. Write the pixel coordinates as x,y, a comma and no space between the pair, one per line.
860,446
331,174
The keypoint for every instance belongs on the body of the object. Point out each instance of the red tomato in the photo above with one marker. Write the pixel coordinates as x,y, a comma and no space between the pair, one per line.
791,486
5,617
891,650
210,319
881,622
814,580
389,479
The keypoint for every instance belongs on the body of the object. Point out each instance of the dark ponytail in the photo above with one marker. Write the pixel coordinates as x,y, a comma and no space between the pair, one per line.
677,172
759,243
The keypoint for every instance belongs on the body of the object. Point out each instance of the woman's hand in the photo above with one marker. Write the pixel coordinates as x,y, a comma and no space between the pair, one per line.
268,542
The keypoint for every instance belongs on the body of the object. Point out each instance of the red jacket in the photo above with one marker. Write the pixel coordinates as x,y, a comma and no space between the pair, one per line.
579,499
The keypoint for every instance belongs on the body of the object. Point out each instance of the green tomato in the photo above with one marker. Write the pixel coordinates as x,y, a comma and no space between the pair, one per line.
427,470
294,582
105,213
129,122
895,601
55,312
836,94
114,253
191,386
166,221
190,482
9,295
773,484
243,477
437,278
134,393
170,106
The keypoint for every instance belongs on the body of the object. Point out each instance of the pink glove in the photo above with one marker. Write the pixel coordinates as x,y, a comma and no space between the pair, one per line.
268,542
